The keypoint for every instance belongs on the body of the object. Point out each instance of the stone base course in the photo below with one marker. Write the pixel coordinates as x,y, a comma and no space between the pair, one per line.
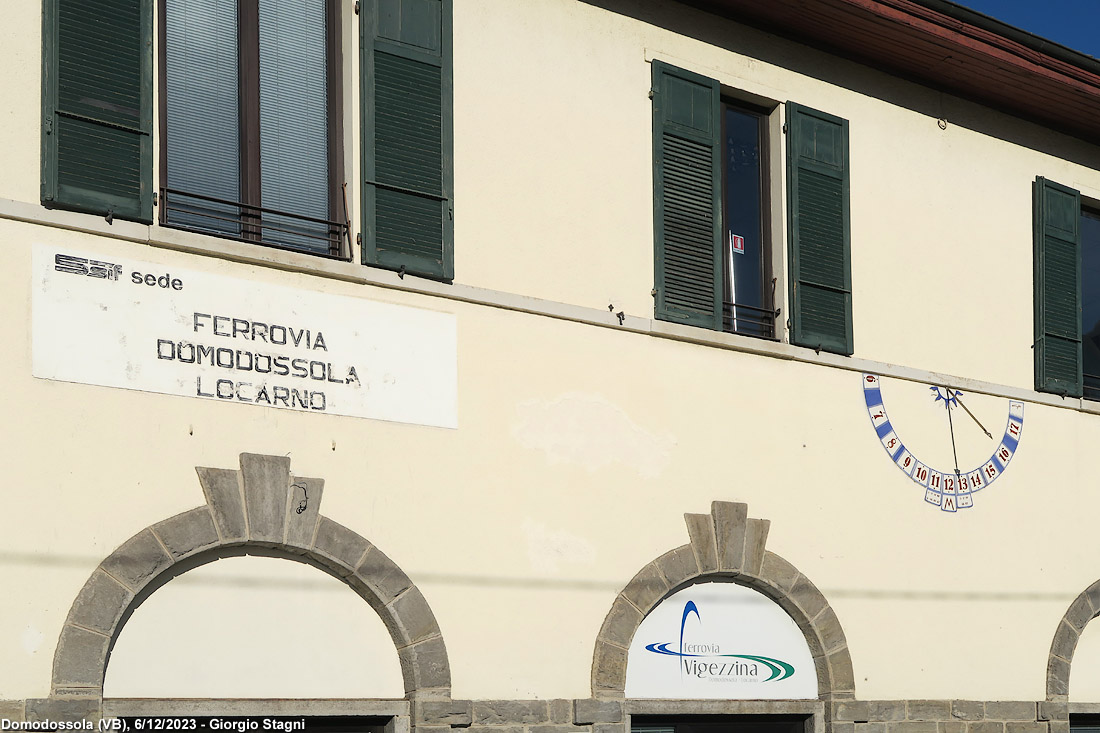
596,715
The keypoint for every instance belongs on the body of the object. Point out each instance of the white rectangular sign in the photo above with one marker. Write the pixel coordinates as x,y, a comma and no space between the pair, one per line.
118,322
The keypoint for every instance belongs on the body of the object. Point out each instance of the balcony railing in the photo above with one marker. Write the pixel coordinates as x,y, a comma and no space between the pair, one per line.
255,224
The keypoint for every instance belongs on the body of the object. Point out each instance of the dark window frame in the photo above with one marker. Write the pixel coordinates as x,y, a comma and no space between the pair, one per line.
749,723
762,320
249,80
1090,386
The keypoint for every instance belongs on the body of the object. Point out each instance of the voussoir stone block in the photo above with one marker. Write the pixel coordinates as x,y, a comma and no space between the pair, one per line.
1080,613
1011,710
343,547
840,671
823,673
266,481
621,623
756,536
1057,676
1065,641
505,712
138,559
382,575
414,616
646,588
779,572
587,712
808,598
829,631
701,531
967,709
188,532
729,533
678,565
100,603
304,510
1092,595
929,709
609,667
222,489
433,669
80,658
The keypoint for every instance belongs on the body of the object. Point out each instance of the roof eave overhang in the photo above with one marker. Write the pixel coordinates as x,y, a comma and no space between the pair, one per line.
945,46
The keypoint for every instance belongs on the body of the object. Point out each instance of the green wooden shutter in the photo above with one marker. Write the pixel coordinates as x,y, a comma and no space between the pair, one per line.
819,230
686,197
97,107
1057,235
406,98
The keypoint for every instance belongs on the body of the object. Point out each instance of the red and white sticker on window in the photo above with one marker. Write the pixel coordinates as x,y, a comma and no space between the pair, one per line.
737,244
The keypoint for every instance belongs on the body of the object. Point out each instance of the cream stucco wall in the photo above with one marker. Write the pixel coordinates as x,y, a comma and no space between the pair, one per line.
580,447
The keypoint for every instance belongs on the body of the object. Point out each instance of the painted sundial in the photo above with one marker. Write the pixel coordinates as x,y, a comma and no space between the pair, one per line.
949,450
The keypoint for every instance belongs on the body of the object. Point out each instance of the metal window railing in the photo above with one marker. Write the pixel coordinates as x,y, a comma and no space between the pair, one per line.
254,224
749,320
1091,389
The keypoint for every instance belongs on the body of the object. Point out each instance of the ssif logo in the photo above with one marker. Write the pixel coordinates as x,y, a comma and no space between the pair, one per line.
706,660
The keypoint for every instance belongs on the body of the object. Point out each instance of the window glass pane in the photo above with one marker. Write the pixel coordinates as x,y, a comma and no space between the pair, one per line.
203,139
1090,302
743,243
294,175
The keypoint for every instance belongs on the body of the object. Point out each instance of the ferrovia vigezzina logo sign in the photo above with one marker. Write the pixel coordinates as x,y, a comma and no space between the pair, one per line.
719,640
706,661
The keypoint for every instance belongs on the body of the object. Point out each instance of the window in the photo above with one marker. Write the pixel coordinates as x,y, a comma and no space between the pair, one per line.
747,295
1067,292
251,138
711,215
250,112
407,185
1090,302
1058,227
97,119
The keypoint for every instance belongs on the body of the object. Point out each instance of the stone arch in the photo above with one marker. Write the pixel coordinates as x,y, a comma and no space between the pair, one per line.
725,545
1084,608
260,509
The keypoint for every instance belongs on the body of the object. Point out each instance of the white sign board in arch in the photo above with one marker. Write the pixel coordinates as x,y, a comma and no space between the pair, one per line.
720,641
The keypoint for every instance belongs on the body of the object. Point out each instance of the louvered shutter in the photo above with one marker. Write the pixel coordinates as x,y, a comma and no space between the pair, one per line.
819,230
686,194
97,107
1057,211
407,136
